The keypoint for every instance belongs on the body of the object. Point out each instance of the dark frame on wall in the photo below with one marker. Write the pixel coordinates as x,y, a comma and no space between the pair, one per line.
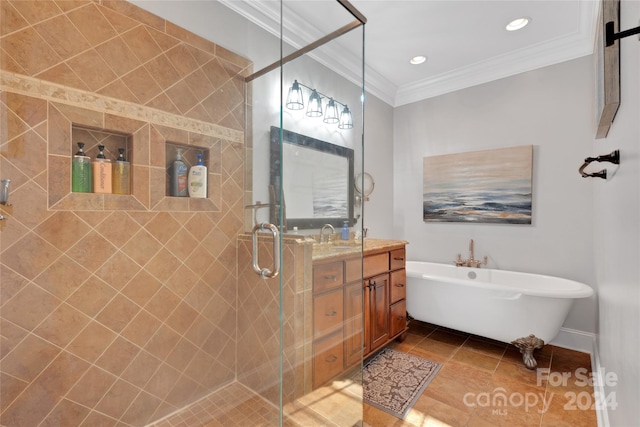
323,180
607,70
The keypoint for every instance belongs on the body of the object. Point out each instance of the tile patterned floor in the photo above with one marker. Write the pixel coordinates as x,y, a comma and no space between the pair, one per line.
482,383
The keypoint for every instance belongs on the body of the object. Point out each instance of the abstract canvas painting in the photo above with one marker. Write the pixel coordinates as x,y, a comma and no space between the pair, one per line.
490,186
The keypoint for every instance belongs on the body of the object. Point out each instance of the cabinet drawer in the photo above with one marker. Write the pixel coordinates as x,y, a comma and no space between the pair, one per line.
327,359
353,270
398,288
397,259
398,321
376,264
328,312
327,276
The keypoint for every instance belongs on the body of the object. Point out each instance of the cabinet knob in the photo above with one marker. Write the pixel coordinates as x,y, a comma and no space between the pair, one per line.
332,278
331,359
401,318
398,258
372,283
333,313
399,285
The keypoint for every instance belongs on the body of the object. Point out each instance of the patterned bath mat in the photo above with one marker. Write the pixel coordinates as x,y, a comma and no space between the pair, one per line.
393,381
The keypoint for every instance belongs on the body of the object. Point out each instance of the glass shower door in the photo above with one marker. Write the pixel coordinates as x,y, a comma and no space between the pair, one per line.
300,262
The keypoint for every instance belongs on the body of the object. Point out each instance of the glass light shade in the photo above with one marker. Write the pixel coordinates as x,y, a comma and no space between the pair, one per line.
315,105
346,121
294,98
331,113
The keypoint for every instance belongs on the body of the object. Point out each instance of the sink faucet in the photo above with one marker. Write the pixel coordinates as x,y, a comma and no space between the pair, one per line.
330,237
471,262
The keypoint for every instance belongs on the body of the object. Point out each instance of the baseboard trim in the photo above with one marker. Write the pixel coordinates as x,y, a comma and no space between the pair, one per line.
574,340
586,343
598,389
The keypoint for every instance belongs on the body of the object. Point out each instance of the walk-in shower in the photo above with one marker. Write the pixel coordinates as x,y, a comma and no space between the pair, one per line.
144,308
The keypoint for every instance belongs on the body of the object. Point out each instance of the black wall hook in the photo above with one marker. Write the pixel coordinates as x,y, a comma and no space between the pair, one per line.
613,157
611,36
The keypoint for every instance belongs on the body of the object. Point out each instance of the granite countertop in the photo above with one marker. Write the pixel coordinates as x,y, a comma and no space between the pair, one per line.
342,248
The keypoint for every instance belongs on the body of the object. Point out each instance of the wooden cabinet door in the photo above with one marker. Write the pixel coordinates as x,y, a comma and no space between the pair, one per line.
398,320
353,323
379,310
328,358
398,290
327,313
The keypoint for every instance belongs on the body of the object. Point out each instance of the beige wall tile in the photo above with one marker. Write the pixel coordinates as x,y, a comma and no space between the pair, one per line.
92,342
121,287
62,36
90,389
30,357
92,69
10,20
37,11
116,401
92,24
141,369
62,325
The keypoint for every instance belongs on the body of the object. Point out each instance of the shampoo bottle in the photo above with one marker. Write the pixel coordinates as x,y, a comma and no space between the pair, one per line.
345,231
81,171
102,173
121,174
178,184
198,180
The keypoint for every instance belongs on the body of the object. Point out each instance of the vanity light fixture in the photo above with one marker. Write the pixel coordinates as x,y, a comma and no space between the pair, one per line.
346,121
518,23
417,60
294,99
332,114
315,105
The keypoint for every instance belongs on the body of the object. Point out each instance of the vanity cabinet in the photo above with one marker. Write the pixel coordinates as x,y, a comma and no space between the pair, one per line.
328,319
384,279
358,307
376,312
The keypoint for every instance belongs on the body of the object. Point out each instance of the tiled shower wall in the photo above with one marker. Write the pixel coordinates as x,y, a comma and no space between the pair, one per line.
115,310
260,342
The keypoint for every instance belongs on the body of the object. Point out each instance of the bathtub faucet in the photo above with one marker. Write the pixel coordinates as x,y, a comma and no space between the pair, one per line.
471,262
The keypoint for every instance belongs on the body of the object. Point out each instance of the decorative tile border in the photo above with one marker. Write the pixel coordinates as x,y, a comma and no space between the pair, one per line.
58,93
148,143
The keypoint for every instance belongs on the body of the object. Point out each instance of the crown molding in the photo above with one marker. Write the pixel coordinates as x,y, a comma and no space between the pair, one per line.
576,45
266,15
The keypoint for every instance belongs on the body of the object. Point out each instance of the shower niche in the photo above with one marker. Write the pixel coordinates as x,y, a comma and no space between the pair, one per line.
114,146
188,154
147,146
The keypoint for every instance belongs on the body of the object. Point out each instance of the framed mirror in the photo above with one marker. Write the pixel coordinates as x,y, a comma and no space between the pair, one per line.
317,181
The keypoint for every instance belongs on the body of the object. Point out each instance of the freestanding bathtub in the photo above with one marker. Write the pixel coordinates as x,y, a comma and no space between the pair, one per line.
524,309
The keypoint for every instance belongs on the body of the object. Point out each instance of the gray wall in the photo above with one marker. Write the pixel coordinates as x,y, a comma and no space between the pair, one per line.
616,226
586,230
549,108
582,229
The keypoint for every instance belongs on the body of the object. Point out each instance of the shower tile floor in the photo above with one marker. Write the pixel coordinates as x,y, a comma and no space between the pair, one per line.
335,405
482,383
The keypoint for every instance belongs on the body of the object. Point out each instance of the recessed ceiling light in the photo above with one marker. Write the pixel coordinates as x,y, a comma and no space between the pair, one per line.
517,24
418,59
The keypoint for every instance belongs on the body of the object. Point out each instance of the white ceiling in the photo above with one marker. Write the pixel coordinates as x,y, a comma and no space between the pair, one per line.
465,40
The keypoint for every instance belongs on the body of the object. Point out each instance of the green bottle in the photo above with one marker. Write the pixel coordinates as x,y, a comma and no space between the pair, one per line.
81,171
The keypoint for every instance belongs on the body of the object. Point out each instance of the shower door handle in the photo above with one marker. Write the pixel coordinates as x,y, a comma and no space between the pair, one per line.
265,272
